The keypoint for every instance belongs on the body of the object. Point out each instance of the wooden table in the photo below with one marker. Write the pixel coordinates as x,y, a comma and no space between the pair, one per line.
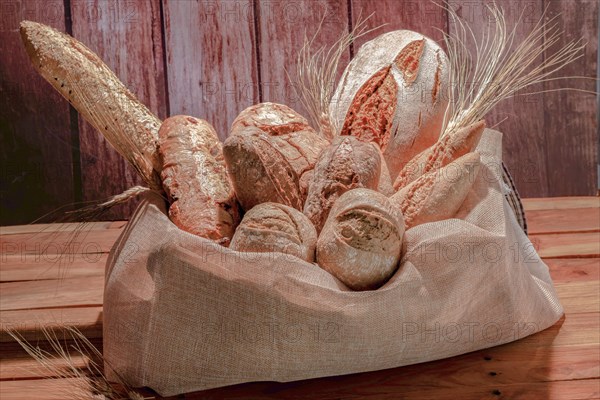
562,362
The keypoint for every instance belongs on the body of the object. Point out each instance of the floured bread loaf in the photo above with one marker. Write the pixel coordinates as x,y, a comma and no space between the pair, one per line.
289,133
346,164
361,241
394,93
439,194
273,227
195,179
446,150
259,171
272,118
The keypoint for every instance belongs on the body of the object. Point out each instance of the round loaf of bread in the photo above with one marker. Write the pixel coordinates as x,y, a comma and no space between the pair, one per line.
259,172
361,241
346,164
394,93
273,227
272,118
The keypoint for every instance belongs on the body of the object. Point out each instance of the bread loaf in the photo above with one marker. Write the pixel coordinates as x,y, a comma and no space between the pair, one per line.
272,118
446,150
394,93
259,172
98,95
273,227
361,241
194,176
346,164
439,194
289,133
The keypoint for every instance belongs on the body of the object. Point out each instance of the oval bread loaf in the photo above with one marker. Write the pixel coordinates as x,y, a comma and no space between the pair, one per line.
272,118
195,179
361,241
439,194
273,227
259,172
394,93
346,164
446,150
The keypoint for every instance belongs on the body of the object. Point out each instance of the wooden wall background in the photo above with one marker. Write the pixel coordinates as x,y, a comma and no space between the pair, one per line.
212,59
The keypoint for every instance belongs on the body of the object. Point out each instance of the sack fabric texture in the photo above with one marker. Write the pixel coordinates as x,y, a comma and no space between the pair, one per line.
183,314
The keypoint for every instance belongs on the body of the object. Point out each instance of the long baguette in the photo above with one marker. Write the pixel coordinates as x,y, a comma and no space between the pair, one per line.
99,96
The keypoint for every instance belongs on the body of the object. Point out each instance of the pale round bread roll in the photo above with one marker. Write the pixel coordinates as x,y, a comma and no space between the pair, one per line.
394,93
361,241
273,227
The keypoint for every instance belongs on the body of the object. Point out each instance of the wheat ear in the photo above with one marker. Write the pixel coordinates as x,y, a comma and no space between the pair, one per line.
499,67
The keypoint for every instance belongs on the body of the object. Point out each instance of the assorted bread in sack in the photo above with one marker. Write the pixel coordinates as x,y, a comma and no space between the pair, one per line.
342,199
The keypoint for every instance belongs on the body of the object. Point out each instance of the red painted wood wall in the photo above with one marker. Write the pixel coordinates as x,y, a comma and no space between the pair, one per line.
211,59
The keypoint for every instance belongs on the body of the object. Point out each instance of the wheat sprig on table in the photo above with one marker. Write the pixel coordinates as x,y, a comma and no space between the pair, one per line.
84,383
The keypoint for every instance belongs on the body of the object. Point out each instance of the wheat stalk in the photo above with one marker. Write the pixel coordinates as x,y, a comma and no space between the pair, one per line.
499,67
316,74
89,382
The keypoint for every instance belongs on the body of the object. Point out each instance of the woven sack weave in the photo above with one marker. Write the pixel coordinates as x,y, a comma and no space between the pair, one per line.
183,314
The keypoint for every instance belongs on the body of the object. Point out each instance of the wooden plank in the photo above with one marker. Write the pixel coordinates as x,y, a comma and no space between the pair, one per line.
573,140
74,292
561,203
567,245
28,267
127,37
520,118
574,269
57,227
420,16
212,60
28,323
47,245
35,123
579,297
569,220
283,27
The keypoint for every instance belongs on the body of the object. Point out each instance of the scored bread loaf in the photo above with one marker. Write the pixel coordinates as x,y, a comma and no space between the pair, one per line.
446,150
394,93
194,176
290,133
274,227
347,163
259,172
361,241
81,77
439,194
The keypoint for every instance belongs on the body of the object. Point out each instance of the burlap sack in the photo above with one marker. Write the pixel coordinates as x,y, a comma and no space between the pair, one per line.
182,314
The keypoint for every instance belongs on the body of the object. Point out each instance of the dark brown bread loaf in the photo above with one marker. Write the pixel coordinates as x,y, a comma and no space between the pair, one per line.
195,179
259,171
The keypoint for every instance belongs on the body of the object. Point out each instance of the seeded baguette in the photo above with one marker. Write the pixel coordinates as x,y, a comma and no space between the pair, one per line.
81,77
273,227
439,194
194,176
361,241
394,93
346,164
446,150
